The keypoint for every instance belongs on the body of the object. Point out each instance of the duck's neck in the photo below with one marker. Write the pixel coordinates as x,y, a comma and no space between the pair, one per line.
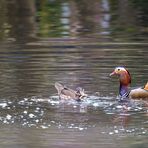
124,91
125,80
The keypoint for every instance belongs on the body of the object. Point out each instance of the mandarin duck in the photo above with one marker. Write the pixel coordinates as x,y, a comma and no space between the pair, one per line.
125,80
67,93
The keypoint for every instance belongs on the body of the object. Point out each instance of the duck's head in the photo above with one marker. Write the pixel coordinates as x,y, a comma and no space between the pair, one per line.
80,93
124,75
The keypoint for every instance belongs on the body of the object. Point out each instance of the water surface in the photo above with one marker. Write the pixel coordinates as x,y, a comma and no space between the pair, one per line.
77,44
33,115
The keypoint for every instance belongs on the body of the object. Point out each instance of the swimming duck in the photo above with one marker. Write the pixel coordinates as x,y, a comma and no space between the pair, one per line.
125,80
67,93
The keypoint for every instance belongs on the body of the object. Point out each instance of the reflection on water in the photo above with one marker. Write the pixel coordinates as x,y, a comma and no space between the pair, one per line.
82,54
105,20
102,19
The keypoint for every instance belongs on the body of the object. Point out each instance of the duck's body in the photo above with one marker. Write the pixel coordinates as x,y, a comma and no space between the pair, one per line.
125,81
138,93
67,93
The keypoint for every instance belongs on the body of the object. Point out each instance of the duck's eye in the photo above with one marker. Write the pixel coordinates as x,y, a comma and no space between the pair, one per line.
118,69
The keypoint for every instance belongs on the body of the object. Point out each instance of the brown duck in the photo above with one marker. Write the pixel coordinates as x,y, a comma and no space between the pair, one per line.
67,93
125,81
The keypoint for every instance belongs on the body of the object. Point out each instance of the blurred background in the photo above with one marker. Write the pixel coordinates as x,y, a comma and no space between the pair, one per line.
104,20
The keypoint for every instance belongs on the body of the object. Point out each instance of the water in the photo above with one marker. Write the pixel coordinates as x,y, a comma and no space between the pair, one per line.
31,114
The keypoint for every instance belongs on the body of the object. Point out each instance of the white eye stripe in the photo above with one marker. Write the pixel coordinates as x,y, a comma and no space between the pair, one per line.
120,68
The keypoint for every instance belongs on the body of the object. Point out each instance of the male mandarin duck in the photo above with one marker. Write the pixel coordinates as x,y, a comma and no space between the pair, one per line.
66,93
125,81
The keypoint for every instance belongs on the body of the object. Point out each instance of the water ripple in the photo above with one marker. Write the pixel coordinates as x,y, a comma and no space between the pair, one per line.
70,114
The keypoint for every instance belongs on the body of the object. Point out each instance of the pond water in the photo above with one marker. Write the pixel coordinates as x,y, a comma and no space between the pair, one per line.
31,113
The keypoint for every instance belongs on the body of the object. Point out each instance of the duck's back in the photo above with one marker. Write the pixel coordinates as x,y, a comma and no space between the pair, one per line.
141,93
146,86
